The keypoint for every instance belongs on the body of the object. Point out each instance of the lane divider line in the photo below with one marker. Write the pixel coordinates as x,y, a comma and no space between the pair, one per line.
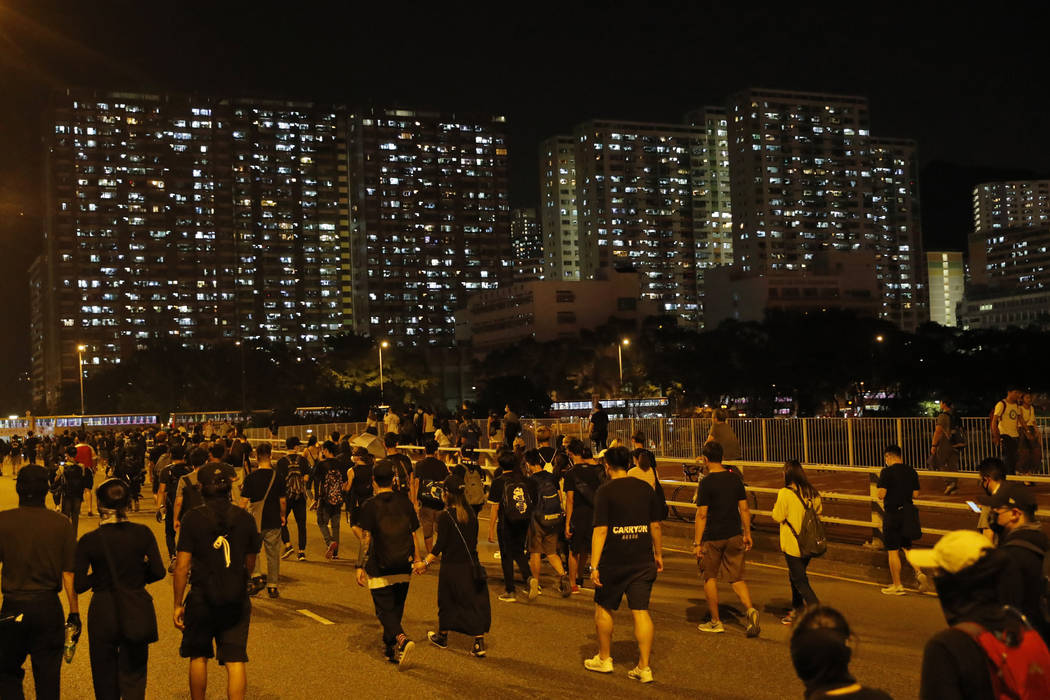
314,616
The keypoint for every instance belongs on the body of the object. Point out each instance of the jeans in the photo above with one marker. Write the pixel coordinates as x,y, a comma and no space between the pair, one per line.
389,602
41,635
1009,454
801,591
271,545
512,549
329,515
298,509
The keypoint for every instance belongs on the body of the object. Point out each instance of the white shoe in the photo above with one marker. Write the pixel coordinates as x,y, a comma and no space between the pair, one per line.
894,590
598,664
642,675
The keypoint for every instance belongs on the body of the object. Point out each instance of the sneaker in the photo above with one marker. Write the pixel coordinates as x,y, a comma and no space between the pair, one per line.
171,566
272,592
926,586
894,590
752,628
790,618
437,639
575,590
255,585
563,587
534,588
404,648
642,675
598,664
332,549
302,556
478,649
712,626
287,552
950,489
507,597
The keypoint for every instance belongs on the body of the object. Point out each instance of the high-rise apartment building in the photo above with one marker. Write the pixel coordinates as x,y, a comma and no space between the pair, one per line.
634,193
559,220
430,220
946,280
807,176
193,219
1001,205
526,242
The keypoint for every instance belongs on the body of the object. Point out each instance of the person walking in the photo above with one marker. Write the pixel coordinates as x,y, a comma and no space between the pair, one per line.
581,484
797,496
116,562
512,499
37,549
898,486
221,542
943,454
427,477
87,458
263,496
294,472
330,478
1005,420
627,555
599,426
391,546
547,523
463,594
722,433
821,649
74,480
722,537
169,477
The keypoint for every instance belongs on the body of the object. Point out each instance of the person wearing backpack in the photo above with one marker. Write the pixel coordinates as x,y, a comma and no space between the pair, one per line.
360,477
263,496
75,480
944,454
294,471
425,491
988,651
581,484
473,477
391,546
169,478
402,465
220,542
1013,508
548,523
330,476
1005,424
794,501
512,498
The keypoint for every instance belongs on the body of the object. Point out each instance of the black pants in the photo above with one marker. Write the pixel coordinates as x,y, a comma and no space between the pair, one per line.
169,528
40,635
801,591
71,509
298,509
512,548
389,602
118,667
1009,454
599,440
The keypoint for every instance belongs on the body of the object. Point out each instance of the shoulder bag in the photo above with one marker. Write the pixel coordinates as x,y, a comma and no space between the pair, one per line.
480,577
136,616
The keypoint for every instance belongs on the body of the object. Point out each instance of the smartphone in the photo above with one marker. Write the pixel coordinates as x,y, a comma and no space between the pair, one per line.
974,507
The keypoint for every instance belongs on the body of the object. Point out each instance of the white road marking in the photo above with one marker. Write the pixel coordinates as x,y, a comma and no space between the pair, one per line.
314,616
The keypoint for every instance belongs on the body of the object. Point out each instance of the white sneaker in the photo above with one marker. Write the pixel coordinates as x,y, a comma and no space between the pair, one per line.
642,675
712,627
534,588
598,664
894,590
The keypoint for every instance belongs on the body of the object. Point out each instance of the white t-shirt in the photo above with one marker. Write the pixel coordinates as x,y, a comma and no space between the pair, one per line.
1008,414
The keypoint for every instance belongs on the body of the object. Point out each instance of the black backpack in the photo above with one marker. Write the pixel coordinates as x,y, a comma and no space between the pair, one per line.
191,495
549,513
294,482
585,490
517,501
225,581
175,473
392,544
1044,588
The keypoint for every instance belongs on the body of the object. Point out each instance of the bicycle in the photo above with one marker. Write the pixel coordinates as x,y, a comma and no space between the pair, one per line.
685,494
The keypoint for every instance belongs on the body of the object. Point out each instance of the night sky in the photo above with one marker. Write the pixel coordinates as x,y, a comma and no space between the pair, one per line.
970,87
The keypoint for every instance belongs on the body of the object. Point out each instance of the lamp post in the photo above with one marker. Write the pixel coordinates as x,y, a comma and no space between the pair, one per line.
80,368
382,396
619,356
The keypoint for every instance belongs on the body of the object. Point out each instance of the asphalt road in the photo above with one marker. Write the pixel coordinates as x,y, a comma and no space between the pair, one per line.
534,650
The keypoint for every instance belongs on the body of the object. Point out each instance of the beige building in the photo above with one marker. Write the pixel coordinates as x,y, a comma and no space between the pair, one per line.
547,310
558,219
947,277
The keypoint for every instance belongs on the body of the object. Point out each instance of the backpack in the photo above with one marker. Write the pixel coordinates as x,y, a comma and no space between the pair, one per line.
402,474
1044,596
474,485
432,494
549,514
957,433
223,584
392,544
471,435
812,536
191,494
175,473
1020,671
332,487
294,483
585,490
548,462
517,501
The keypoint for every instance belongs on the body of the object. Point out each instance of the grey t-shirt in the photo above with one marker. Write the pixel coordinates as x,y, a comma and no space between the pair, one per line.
724,436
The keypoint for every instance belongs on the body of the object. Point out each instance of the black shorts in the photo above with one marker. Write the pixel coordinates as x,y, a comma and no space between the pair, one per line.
634,582
226,626
580,541
893,532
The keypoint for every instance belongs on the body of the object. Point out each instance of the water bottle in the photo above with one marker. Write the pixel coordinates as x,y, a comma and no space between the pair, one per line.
71,645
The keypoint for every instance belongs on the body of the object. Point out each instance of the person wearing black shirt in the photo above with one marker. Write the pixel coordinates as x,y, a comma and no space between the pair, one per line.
402,464
36,561
512,532
581,483
121,620
627,555
821,648
74,480
898,485
599,426
722,537
221,542
428,471
330,479
294,473
166,491
360,478
391,544
263,497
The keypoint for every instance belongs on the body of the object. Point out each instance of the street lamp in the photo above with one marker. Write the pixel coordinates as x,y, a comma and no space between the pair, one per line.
619,356
382,396
80,366
879,339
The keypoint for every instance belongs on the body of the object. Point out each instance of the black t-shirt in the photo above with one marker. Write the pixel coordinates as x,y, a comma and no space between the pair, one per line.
392,506
628,507
199,529
321,470
721,492
582,510
1023,587
496,492
954,667
900,481
255,485
169,476
36,546
430,469
453,548
600,420
75,479
134,552
402,470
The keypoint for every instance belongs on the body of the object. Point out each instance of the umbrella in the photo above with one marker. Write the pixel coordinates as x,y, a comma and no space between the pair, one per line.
370,442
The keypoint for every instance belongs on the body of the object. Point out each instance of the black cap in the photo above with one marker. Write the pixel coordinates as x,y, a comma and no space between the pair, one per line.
1012,496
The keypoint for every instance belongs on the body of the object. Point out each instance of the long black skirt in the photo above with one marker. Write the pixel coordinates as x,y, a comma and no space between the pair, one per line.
463,605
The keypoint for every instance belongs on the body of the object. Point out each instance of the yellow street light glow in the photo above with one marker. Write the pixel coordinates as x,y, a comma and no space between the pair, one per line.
626,341
81,348
384,344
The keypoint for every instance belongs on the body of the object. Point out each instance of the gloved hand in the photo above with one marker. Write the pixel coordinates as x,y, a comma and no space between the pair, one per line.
74,621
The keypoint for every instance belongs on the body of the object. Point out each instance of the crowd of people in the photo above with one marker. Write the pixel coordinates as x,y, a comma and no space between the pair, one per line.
590,511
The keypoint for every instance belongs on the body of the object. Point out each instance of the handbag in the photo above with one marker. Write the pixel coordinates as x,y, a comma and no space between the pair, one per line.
480,577
136,616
